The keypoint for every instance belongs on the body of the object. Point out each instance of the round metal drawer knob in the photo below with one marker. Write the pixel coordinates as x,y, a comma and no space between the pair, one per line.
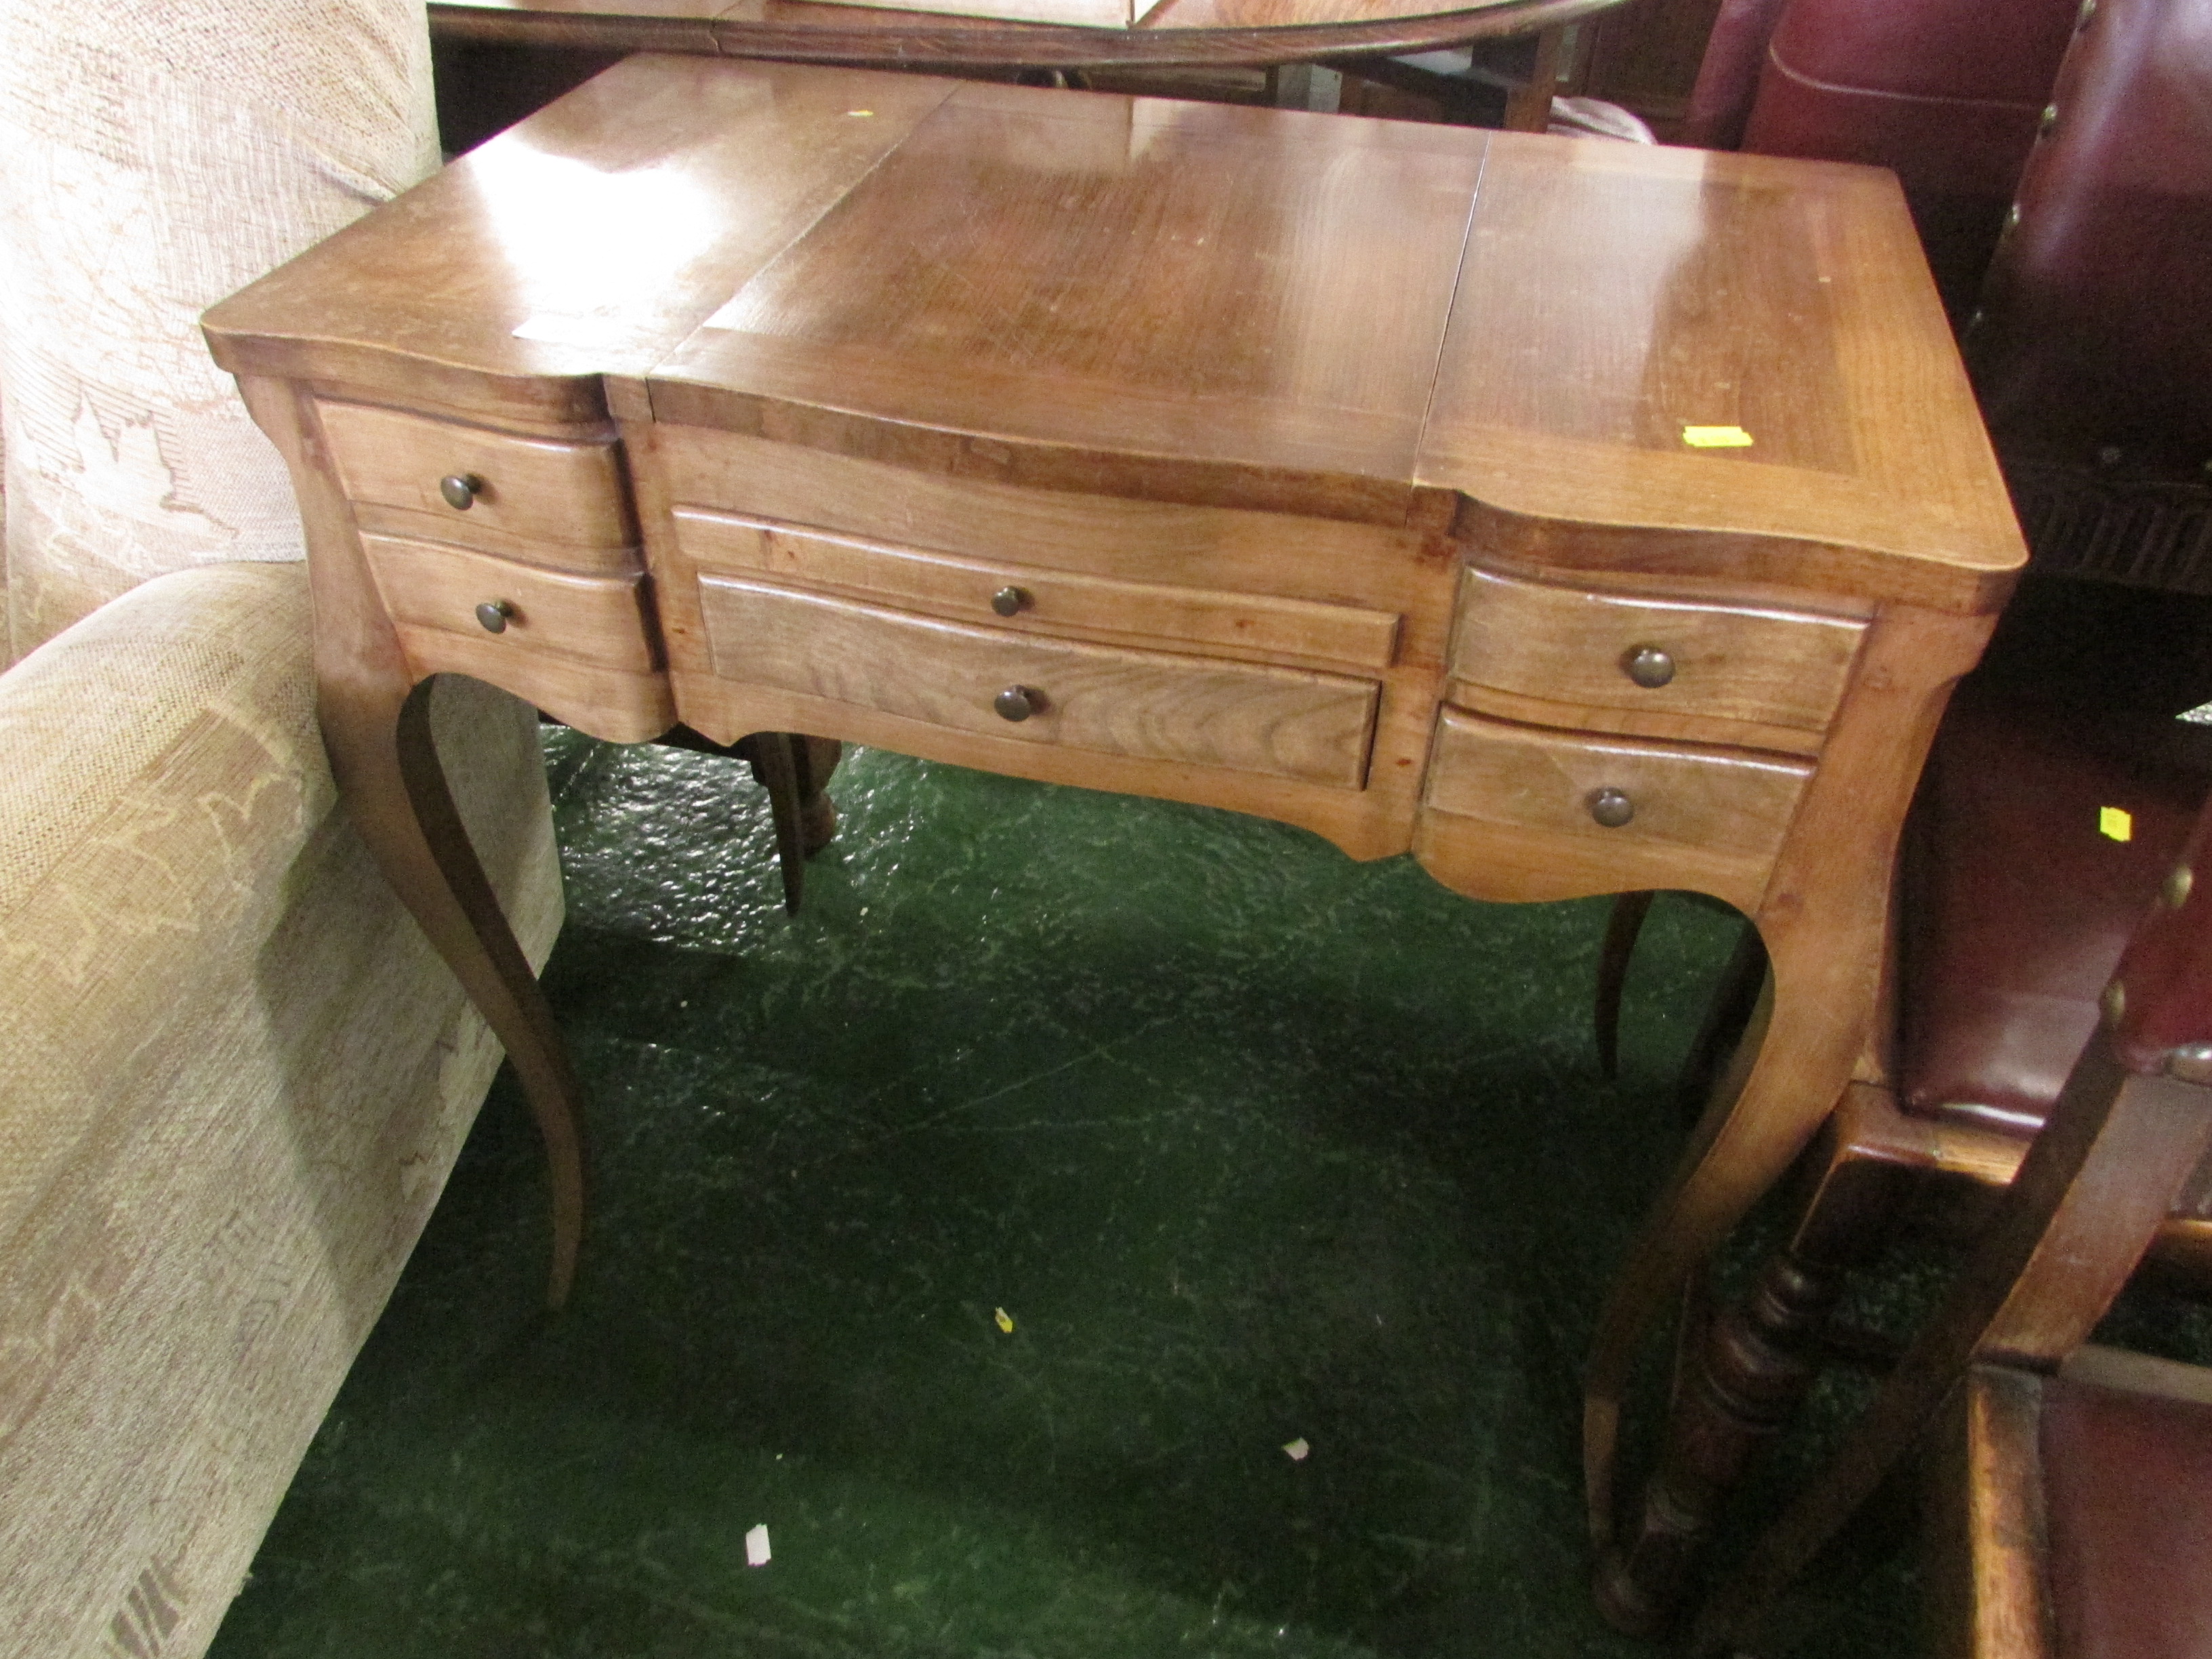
495,615
1648,665
460,490
1610,808
1010,601
1017,703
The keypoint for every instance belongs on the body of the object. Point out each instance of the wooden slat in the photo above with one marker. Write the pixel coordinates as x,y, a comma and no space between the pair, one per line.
1247,626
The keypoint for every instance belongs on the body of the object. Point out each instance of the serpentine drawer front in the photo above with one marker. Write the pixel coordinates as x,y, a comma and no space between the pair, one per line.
1239,457
1026,597
1644,814
1290,723
1644,655
550,503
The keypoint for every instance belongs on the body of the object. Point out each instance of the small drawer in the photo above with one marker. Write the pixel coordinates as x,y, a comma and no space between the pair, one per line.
1626,814
594,619
1565,646
1285,722
525,498
1024,597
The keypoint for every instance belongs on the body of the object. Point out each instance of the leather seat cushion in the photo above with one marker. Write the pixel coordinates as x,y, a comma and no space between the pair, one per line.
2019,904
2127,1484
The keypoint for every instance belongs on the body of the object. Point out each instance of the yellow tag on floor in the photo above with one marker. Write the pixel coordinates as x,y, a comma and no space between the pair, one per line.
1005,1319
2116,824
1716,437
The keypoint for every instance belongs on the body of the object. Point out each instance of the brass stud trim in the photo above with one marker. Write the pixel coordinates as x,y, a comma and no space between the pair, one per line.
2191,1062
2114,1002
2178,881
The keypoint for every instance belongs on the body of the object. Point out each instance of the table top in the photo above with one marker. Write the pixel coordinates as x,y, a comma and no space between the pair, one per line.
1356,319
1179,31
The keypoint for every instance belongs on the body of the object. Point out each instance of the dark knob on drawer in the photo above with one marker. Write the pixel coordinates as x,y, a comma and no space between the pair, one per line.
495,615
1610,808
460,490
1017,703
1648,665
1010,601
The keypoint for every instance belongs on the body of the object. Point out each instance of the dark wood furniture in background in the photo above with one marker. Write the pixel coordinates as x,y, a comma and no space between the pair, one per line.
1246,458
2072,1487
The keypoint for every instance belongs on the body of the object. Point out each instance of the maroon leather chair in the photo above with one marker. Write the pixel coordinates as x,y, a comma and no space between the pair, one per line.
2092,350
2071,1486
1947,93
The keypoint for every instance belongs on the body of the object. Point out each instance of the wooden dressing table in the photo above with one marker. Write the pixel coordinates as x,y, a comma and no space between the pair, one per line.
1389,480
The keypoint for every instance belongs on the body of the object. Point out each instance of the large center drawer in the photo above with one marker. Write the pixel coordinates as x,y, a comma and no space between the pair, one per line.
1247,717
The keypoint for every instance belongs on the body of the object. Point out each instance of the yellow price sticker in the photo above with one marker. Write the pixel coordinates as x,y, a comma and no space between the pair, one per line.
1716,437
2116,824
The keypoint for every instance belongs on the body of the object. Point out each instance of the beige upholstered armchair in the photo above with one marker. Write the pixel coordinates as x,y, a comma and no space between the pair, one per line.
232,1075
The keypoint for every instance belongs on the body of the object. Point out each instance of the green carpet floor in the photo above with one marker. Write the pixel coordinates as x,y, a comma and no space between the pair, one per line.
1250,1145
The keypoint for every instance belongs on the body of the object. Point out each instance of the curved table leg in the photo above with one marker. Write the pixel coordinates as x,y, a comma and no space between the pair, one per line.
1825,918
386,764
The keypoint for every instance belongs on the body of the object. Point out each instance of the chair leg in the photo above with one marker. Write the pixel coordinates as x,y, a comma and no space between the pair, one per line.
1624,925
1739,1380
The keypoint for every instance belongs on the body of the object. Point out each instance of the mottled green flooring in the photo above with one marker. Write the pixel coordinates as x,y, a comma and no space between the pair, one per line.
1251,1144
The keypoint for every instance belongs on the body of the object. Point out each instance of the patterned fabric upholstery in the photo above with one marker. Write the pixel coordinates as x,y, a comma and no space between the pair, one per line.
162,154
233,1080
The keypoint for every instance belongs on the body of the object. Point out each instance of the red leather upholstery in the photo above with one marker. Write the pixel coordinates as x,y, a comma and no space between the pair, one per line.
1946,92
1728,75
2093,356
2020,906
2125,1479
2098,326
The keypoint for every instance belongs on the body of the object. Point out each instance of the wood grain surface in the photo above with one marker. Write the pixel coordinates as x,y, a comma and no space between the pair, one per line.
531,492
1685,288
1251,626
1709,819
1254,288
1313,727
596,619
1571,645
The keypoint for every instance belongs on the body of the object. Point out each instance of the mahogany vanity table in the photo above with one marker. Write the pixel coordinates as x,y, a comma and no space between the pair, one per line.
1581,516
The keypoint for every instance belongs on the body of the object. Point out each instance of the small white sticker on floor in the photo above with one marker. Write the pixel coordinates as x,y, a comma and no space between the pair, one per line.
756,1547
1298,1449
